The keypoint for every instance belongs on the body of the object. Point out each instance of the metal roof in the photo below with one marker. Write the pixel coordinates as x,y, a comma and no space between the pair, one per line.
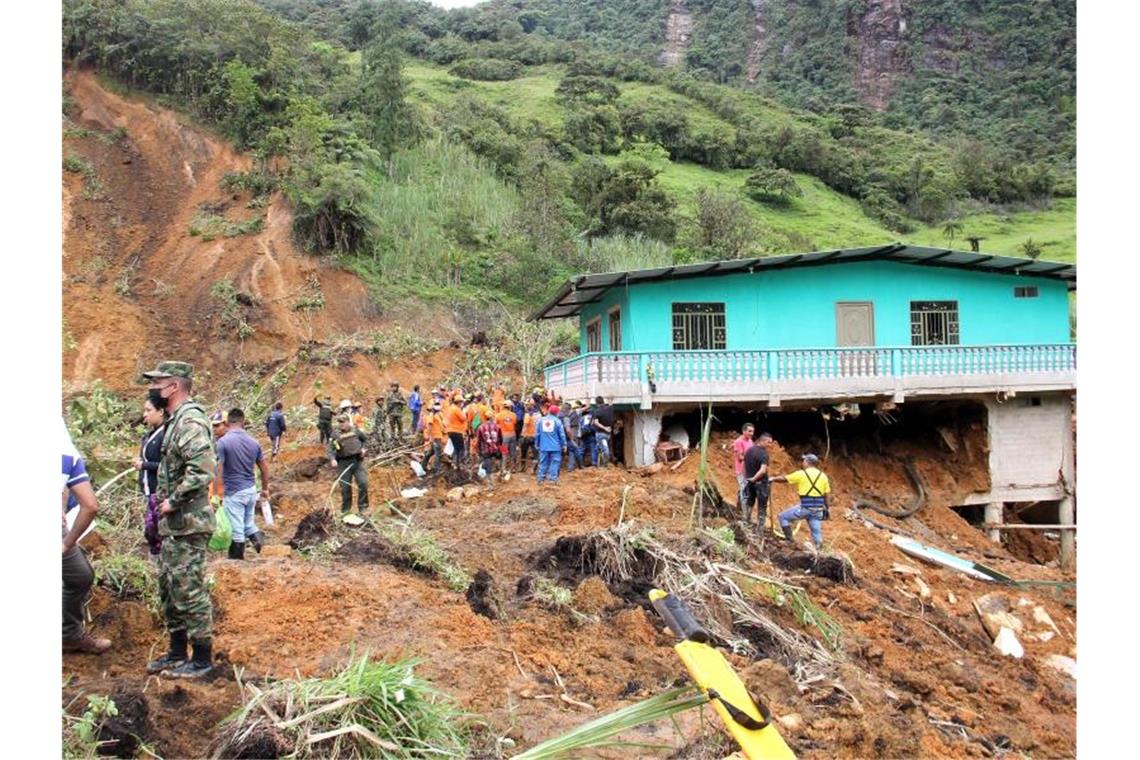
590,288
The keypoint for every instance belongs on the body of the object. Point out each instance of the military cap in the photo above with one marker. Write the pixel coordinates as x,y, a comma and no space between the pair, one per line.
170,369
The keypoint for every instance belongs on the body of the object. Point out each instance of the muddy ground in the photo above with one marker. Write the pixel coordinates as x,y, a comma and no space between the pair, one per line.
918,675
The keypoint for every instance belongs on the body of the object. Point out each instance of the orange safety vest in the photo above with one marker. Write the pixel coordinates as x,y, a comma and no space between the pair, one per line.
506,420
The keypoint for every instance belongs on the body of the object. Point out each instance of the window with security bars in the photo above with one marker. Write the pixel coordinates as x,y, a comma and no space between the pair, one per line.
698,326
594,336
1025,291
934,323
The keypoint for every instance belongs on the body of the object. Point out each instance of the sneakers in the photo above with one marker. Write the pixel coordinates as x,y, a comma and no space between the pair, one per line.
87,644
198,666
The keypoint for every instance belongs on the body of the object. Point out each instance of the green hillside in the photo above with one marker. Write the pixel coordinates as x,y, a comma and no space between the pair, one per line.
442,159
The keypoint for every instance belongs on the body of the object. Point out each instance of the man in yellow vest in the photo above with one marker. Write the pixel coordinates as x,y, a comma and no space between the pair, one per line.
813,488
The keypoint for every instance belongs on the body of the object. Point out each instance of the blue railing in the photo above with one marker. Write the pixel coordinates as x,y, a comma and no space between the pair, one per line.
810,363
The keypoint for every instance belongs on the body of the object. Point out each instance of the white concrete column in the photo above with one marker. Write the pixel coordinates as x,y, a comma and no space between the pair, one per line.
995,516
642,436
1066,516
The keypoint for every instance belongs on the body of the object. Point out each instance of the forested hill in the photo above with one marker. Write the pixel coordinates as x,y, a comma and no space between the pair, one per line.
1002,71
491,152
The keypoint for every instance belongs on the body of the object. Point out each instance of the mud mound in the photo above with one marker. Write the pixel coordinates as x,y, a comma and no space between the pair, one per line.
823,566
482,596
593,597
122,735
314,528
263,741
308,469
372,548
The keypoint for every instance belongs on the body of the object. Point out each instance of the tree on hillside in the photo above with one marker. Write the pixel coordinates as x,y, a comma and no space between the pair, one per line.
950,229
542,214
724,227
1032,249
975,243
769,185
625,198
391,123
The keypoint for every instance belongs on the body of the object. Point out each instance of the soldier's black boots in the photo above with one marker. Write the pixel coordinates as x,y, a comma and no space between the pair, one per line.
201,664
256,539
788,533
172,659
237,551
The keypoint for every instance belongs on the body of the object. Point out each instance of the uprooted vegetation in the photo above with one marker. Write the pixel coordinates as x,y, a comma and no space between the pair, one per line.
370,708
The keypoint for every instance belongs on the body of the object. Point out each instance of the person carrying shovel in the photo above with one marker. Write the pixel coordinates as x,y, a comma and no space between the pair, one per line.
346,453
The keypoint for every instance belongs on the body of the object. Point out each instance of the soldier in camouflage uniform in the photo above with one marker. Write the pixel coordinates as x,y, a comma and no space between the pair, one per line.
185,524
394,404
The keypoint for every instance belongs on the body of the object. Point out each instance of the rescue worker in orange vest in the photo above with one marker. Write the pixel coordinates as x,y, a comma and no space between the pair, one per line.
434,436
455,424
505,419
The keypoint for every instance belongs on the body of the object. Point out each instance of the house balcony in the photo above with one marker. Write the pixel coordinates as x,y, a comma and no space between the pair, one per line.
811,375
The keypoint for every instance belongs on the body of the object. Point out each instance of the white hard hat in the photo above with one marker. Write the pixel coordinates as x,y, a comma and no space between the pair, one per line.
346,404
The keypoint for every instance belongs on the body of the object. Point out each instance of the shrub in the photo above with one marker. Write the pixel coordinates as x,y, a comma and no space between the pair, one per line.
487,70
769,185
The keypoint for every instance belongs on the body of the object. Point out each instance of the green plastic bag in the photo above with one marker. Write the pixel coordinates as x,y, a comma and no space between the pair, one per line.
223,533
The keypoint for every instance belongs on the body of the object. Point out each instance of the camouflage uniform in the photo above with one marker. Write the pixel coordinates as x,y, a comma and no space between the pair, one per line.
185,472
394,404
324,418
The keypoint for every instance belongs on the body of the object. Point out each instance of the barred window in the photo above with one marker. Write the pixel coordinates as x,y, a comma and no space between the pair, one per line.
934,323
698,326
1025,291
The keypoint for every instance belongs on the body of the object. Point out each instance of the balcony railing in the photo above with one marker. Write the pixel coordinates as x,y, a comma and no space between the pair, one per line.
772,366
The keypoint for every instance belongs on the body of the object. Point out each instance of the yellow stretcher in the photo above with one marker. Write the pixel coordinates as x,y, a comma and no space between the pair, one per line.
749,723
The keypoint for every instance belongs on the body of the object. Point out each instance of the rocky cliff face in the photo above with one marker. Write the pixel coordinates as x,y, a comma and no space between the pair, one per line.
759,44
878,32
678,32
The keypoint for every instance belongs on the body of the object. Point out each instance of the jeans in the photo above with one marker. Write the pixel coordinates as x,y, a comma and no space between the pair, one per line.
276,441
589,451
77,579
488,463
350,469
548,464
437,452
741,482
813,517
755,493
415,420
574,456
512,445
239,508
602,441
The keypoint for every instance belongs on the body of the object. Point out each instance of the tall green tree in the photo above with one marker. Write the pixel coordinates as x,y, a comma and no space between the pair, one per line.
390,121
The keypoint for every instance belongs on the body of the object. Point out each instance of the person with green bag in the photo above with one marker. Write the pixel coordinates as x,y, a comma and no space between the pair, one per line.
223,531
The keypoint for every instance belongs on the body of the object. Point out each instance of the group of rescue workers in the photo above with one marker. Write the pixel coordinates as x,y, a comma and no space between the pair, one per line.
477,436
187,460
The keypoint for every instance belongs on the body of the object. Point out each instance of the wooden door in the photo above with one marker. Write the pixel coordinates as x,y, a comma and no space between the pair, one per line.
855,326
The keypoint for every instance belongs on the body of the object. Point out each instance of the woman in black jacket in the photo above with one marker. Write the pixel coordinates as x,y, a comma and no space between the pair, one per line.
150,452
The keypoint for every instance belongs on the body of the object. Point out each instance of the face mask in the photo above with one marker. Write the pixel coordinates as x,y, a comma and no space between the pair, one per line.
154,395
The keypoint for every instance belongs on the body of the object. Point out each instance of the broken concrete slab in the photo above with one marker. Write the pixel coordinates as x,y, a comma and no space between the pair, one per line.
1066,665
1006,642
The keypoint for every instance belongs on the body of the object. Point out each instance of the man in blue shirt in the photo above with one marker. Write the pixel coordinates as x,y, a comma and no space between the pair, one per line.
415,404
275,428
238,452
78,576
550,437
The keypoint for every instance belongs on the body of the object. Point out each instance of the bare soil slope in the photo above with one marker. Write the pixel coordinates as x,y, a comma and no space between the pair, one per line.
138,286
